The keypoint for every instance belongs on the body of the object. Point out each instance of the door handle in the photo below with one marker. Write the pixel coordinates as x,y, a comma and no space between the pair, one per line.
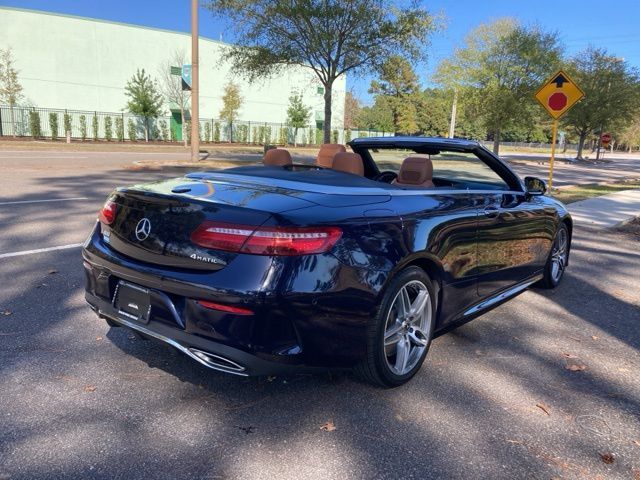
491,212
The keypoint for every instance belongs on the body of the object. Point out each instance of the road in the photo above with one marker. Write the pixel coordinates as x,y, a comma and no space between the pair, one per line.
542,387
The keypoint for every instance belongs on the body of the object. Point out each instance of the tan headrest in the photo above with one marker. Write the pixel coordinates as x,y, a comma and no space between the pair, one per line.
327,152
277,157
348,162
416,172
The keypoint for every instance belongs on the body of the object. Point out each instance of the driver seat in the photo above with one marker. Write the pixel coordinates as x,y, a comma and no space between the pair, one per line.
415,172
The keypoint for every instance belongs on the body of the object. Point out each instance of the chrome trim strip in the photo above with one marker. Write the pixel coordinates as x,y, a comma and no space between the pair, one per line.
501,296
180,347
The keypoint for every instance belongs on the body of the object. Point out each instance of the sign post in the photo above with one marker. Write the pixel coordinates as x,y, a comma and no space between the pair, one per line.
557,96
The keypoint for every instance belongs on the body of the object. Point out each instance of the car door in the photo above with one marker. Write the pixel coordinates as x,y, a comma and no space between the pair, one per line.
514,235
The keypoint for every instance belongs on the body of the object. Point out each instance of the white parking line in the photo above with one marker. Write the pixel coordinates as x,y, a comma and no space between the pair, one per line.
41,201
40,250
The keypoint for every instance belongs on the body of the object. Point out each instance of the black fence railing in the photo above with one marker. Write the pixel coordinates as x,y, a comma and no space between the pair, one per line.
37,122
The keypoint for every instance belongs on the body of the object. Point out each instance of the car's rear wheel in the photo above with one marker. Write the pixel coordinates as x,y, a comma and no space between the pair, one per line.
401,333
557,261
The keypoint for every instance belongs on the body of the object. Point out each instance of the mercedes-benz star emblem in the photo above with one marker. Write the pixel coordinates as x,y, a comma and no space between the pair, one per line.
143,229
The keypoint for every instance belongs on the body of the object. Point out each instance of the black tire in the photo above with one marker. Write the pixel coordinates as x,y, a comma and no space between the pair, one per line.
375,368
551,278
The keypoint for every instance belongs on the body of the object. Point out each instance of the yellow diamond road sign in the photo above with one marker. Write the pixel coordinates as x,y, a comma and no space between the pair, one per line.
559,94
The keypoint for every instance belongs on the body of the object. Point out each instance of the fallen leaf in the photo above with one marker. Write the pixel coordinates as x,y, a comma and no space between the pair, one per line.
271,378
637,442
543,407
575,367
568,355
517,442
594,337
623,369
90,388
636,474
607,458
52,271
98,339
328,427
6,313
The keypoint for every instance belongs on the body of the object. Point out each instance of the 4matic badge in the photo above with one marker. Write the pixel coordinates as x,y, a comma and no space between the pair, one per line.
202,258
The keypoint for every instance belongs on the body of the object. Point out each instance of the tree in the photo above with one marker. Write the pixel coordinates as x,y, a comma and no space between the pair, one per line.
144,98
330,37
171,87
399,83
10,87
352,109
630,135
433,112
297,114
378,117
612,94
498,71
231,103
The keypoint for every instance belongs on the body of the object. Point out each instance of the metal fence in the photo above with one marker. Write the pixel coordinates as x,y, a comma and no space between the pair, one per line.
52,123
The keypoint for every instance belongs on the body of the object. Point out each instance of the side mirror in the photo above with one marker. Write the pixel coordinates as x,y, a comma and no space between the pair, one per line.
535,186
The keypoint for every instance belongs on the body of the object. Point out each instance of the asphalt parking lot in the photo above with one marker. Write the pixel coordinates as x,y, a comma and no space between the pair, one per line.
545,386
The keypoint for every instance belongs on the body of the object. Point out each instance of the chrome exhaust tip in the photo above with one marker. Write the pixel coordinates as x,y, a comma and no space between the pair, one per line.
216,361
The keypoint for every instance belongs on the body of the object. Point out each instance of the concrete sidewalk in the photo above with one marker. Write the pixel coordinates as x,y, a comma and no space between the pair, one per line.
606,211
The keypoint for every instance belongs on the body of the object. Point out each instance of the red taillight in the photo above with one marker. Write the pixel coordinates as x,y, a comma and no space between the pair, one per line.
224,308
108,213
266,240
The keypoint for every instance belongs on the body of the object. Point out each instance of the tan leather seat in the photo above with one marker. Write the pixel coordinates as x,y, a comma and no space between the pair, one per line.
277,157
415,172
327,152
348,162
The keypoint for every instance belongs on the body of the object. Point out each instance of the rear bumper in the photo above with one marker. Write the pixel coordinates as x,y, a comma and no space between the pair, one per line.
211,354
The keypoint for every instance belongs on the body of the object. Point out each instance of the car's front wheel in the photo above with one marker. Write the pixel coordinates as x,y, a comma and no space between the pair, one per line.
401,333
558,258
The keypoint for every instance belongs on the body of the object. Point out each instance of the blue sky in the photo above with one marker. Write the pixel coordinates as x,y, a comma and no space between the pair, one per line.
580,23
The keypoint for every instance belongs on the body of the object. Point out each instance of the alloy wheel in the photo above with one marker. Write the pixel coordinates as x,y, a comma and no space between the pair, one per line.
559,255
406,334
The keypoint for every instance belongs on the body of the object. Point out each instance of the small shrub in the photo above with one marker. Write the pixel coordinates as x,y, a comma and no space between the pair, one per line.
132,130
108,131
83,127
94,127
312,135
187,126
347,136
207,132
319,136
334,136
242,133
267,135
174,136
304,138
67,124
53,125
216,132
362,134
164,130
282,138
155,132
255,135
34,124
120,129
199,131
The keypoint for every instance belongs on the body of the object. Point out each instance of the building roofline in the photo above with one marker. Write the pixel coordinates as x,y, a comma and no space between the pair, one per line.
111,22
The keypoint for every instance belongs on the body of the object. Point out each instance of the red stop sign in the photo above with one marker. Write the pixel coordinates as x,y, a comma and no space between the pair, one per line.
606,138
557,101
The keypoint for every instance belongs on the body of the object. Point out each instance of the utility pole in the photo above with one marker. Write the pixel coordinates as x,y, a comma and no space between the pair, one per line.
454,109
195,84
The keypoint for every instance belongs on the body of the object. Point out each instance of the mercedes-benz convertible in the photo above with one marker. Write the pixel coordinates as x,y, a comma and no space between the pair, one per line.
356,260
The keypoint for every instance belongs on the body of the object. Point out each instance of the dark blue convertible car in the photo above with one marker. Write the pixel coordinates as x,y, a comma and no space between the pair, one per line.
354,261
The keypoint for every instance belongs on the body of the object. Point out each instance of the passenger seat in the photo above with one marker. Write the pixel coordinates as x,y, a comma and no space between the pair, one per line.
277,157
348,162
327,152
415,172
